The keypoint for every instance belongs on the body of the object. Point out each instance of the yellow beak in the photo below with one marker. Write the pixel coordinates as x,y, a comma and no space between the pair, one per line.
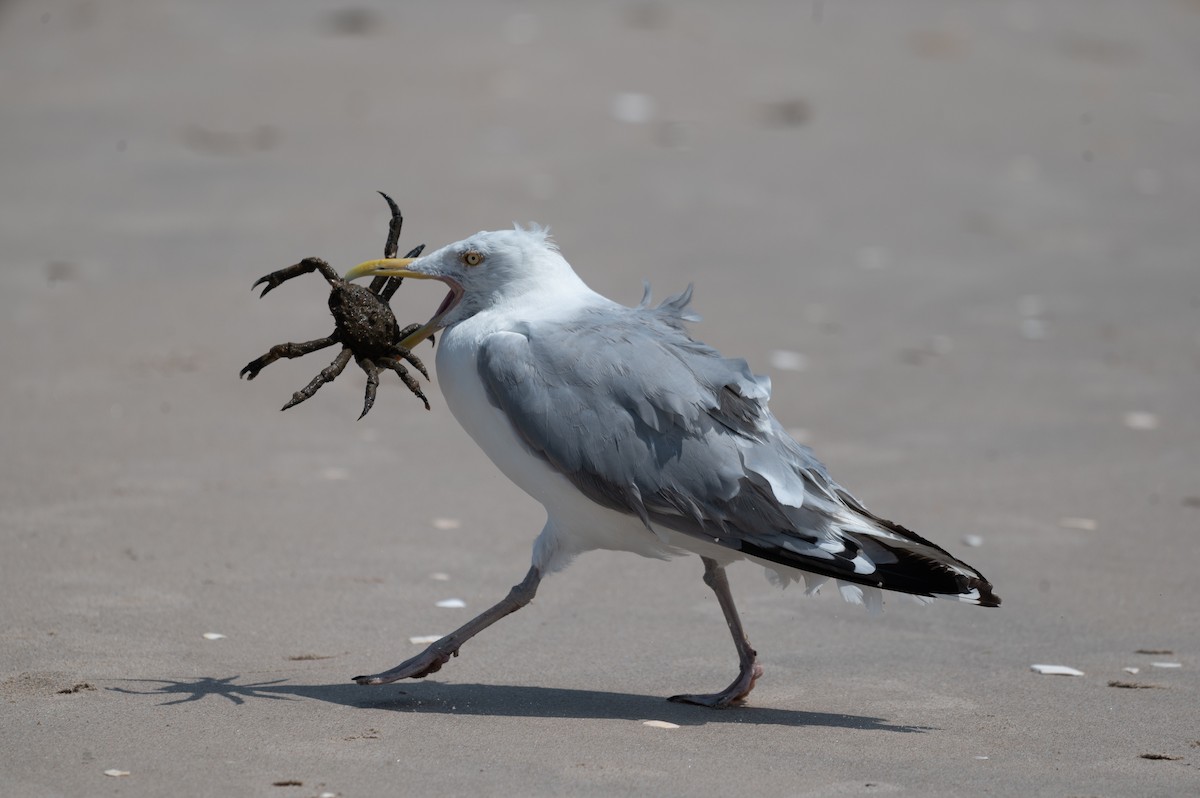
397,267
386,267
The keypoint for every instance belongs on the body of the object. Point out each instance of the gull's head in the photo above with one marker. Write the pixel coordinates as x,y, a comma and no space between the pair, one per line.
481,271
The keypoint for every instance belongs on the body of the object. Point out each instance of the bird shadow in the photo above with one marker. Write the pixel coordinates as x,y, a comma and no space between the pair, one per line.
521,701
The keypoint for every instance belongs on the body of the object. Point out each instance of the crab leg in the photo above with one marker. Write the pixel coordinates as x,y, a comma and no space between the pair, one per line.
276,279
405,377
288,350
328,374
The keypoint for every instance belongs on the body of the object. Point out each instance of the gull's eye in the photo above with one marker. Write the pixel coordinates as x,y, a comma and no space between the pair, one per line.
472,257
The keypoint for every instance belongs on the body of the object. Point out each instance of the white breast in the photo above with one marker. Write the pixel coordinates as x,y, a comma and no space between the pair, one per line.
576,523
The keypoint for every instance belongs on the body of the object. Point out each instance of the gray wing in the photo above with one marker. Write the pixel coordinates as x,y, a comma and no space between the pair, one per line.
645,420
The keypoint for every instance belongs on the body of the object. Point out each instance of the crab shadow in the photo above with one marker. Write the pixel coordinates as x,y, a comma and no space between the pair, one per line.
441,698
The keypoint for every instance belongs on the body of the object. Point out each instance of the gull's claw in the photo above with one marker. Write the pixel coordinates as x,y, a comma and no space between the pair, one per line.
428,661
731,696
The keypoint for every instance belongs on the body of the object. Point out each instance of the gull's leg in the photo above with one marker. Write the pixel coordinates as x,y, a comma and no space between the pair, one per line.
749,670
327,374
285,350
438,654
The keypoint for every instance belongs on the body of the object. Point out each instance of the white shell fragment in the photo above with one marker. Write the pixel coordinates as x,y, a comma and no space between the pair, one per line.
1166,664
983,757
446,523
1141,420
660,724
115,773
633,108
974,541
452,604
422,640
1086,524
213,636
1131,670
1055,670
786,360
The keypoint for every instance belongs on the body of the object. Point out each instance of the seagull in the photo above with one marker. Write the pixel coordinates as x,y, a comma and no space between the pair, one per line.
636,437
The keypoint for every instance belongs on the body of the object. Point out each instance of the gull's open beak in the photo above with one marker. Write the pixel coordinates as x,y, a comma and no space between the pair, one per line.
398,267
387,267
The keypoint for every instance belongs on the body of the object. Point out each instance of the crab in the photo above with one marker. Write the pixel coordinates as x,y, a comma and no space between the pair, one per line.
363,324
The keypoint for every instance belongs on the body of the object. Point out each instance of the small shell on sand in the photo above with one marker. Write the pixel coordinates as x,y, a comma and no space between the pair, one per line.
1139,419
115,773
660,724
421,640
213,636
452,604
1055,670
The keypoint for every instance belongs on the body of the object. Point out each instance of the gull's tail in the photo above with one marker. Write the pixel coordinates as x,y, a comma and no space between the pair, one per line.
875,554
906,562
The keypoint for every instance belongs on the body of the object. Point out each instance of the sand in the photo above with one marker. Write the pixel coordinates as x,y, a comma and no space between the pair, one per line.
961,239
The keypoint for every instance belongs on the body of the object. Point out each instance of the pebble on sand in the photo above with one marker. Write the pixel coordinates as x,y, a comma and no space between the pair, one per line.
213,636
422,640
452,604
115,773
